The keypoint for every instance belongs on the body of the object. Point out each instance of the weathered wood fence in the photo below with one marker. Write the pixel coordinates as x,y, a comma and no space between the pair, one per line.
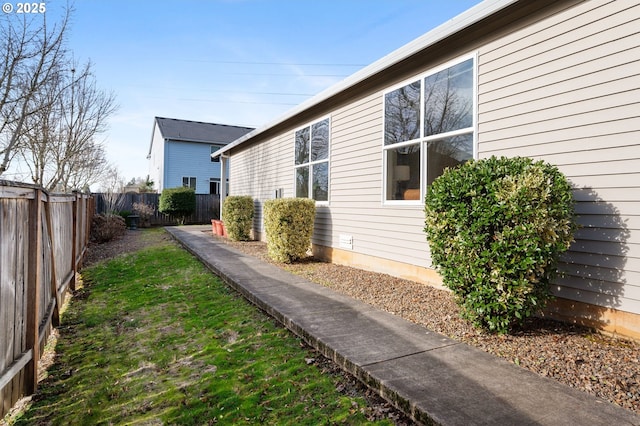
207,207
43,238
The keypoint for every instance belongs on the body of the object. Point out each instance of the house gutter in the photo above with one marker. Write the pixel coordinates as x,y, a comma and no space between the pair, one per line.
454,25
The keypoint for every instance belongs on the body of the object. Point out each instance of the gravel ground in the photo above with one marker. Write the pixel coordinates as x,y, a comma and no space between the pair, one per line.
603,366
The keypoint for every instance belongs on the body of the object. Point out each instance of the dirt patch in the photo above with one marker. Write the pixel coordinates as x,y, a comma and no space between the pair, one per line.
131,241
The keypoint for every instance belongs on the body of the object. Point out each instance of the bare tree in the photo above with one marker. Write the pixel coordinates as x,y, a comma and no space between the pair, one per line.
31,53
60,146
87,167
112,188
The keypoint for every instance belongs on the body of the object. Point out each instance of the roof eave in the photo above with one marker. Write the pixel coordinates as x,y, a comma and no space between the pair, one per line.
453,26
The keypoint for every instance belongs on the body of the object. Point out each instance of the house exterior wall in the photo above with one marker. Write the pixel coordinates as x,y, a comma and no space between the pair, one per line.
355,208
261,170
189,159
567,90
564,88
156,158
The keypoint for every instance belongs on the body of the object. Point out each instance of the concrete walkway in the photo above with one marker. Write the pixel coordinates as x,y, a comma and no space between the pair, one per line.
432,378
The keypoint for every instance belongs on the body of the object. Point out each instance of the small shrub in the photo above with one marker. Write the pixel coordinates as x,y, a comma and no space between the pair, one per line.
237,212
145,211
125,215
288,223
179,202
107,227
496,228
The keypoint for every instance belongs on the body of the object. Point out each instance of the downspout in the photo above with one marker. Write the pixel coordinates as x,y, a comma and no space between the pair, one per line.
224,166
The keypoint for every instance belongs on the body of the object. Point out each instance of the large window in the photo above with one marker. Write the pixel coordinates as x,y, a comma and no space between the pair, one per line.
189,182
428,126
312,161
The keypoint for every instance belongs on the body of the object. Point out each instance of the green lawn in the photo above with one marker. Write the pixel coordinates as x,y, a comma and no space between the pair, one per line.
154,338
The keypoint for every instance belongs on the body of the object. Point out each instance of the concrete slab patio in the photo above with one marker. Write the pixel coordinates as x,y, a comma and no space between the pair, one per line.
432,378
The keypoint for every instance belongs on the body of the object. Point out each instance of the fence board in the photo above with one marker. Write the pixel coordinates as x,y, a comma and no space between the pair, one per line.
20,329
42,241
207,207
53,281
7,298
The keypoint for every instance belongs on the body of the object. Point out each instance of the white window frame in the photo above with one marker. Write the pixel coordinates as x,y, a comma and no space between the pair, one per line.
422,140
310,164
216,182
189,179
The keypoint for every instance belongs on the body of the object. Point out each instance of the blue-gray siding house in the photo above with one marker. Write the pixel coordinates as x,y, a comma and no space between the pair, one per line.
180,153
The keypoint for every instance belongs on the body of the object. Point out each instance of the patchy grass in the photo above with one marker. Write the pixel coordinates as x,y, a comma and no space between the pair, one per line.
154,338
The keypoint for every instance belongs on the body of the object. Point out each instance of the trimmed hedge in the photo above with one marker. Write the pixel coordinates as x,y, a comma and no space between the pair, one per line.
237,213
288,223
179,202
496,228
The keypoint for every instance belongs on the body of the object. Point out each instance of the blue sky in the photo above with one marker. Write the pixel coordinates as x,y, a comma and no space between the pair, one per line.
239,62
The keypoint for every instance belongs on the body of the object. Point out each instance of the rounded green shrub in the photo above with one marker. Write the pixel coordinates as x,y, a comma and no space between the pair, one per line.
288,223
179,202
496,228
237,212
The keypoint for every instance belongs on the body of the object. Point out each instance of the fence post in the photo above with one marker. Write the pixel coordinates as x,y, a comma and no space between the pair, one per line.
33,297
74,249
90,212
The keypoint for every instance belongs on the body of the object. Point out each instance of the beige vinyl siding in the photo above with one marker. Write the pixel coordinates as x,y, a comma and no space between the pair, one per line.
260,169
355,186
388,232
567,90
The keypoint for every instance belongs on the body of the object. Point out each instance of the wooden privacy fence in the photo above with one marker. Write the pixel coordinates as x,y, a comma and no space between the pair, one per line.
207,207
43,238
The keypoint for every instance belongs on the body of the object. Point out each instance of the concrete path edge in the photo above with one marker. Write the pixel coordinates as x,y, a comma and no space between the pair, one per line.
431,378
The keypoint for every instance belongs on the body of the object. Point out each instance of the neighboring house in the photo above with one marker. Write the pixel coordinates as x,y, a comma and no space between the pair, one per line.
552,80
180,153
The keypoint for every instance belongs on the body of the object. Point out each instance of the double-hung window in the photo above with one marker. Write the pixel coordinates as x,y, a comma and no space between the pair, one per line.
428,126
189,182
312,161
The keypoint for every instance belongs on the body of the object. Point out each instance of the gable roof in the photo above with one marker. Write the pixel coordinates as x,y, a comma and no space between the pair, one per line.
197,131
455,25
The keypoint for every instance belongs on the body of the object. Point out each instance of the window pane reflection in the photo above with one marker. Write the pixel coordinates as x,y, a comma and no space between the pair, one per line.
302,146
402,114
448,152
448,99
302,182
321,182
320,140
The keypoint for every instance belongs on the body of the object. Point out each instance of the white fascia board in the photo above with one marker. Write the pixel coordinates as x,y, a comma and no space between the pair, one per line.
153,132
454,25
